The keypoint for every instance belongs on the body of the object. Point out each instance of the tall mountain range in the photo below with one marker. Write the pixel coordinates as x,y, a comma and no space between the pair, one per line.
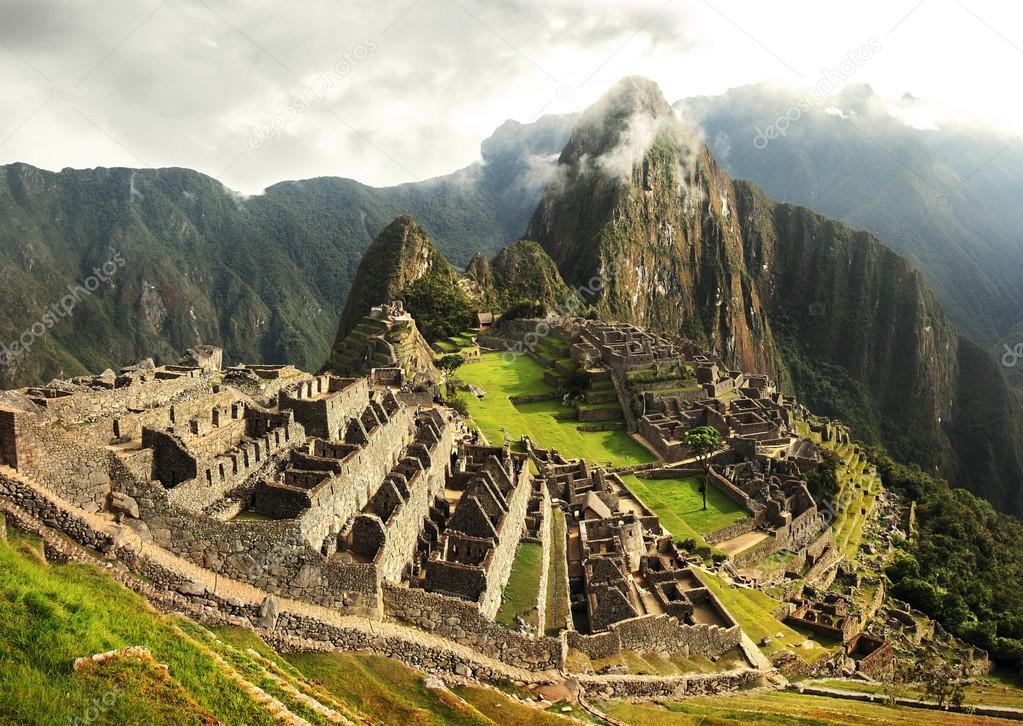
264,276
944,195
634,199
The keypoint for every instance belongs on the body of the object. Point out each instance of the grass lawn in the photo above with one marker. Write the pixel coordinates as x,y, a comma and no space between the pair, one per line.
50,615
524,377
503,711
777,708
992,690
753,609
679,505
519,596
385,690
557,577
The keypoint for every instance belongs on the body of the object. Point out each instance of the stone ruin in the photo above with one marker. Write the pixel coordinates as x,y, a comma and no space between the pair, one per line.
477,527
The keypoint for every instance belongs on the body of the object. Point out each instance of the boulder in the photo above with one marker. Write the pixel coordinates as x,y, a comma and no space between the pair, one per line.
140,528
269,611
191,587
121,503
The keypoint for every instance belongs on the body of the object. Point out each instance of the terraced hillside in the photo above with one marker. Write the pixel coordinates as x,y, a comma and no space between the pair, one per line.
859,487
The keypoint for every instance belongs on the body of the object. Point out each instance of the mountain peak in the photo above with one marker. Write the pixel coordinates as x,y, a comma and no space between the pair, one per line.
398,256
614,134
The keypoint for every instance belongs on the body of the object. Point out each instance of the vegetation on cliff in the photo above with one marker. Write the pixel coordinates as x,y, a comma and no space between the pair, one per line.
962,563
522,274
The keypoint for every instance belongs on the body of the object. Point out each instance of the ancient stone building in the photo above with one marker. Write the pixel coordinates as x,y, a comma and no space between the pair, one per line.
473,554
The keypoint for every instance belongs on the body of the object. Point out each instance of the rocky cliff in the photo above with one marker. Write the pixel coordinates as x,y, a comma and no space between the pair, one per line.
640,212
640,216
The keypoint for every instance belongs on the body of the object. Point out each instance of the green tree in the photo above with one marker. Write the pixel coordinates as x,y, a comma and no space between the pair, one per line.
449,363
440,306
702,442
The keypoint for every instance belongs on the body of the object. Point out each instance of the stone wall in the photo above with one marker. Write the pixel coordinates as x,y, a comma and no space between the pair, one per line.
218,472
91,405
338,499
656,633
735,529
271,555
463,623
405,523
52,456
546,532
323,404
762,549
21,495
691,684
503,556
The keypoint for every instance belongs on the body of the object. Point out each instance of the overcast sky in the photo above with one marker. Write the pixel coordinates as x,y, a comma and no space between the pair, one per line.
255,92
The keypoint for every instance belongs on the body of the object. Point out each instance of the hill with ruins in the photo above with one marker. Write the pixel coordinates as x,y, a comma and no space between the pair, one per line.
492,503
329,514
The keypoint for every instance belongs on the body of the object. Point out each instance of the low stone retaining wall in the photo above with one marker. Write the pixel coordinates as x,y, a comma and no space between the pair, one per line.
658,634
759,551
534,399
35,505
463,623
605,426
695,684
610,413
743,526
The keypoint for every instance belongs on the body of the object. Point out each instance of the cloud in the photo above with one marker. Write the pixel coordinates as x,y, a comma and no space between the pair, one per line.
183,82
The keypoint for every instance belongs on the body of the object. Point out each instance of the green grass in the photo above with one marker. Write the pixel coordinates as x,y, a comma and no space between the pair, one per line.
679,505
991,690
776,708
524,377
557,577
520,594
50,615
753,610
386,690
504,711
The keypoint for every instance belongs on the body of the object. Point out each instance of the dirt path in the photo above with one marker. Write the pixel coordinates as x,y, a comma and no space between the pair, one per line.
742,542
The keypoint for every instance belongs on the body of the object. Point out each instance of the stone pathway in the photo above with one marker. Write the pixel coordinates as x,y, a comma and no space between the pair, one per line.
742,542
